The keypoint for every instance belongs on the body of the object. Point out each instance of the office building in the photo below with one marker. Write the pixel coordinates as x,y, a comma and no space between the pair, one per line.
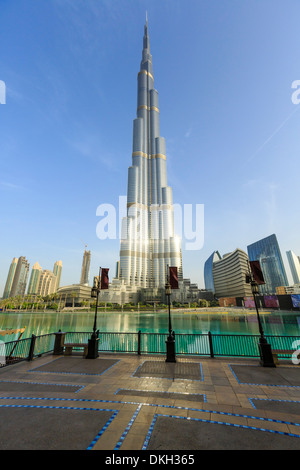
227,276
208,271
267,252
294,266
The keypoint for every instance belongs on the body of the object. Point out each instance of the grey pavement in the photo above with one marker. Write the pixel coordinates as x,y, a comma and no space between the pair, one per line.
129,402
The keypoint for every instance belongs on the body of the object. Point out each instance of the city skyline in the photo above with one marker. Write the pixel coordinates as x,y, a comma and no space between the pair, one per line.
227,113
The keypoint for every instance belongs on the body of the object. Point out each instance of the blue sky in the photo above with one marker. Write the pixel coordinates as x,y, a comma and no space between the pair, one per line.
223,70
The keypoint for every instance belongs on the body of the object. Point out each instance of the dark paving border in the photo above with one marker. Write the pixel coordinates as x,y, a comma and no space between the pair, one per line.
198,397
171,371
74,365
180,433
28,427
258,375
14,386
281,406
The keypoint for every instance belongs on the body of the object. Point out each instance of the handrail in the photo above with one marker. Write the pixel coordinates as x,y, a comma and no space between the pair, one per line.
187,344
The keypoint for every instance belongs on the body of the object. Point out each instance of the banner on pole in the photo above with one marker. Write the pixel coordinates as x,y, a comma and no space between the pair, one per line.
257,272
173,277
104,278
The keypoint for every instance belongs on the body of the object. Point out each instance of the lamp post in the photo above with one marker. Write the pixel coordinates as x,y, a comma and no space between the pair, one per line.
93,342
265,351
171,355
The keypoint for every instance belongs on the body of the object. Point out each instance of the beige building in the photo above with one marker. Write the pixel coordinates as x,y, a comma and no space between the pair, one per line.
229,275
57,272
47,283
34,281
75,292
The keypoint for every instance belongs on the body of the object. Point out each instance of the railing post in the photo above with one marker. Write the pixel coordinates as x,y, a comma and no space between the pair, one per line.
59,343
31,348
139,342
210,344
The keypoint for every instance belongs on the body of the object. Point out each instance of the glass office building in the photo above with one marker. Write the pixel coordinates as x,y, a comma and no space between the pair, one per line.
208,271
267,252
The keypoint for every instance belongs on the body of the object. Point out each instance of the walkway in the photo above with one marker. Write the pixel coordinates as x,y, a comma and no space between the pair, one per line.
130,402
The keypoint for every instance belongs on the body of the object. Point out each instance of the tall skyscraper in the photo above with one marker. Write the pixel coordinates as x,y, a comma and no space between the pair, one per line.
10,278
294,266
57,272
148,242
267,252
33,286
84,279
20,278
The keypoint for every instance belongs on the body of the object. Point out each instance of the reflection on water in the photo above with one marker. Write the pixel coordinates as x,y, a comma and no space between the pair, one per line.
283,323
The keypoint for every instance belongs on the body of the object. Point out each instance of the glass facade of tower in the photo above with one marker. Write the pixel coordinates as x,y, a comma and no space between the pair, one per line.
294,266
267,252
148,243
208,271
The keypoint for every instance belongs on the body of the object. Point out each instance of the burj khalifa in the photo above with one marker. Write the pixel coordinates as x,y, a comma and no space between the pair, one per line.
148,242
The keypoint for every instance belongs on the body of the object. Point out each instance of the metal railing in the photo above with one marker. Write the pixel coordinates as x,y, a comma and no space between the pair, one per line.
205,344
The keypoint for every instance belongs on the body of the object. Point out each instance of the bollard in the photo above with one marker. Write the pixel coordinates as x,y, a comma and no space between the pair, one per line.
31,348
59,343
139,342
210,345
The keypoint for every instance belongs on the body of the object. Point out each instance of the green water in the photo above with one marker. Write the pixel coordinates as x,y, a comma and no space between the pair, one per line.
276,323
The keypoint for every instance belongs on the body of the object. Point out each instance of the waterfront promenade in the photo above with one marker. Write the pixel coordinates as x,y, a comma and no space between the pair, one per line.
121,402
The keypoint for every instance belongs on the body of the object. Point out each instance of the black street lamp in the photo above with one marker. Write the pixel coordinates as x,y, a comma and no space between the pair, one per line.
93,342
265,351
171,355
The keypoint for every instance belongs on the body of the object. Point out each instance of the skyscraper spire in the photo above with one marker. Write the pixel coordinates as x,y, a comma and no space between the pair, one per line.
148,243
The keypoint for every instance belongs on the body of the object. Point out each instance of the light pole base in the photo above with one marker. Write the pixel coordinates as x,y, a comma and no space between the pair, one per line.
171,355
266,356
92,348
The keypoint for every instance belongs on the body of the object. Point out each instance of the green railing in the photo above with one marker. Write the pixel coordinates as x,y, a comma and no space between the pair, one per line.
206,344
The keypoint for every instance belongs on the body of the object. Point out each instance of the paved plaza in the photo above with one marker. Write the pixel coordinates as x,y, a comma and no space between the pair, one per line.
128,402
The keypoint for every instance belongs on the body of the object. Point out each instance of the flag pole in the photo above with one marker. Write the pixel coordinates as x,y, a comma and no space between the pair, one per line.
265,351
93,342
170,343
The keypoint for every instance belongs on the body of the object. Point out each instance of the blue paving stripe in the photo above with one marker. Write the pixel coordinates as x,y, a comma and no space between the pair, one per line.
150,431
251,383
154,405
128,427
102,430
45,383
163,391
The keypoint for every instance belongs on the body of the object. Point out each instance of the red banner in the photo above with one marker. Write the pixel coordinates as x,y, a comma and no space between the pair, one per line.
104,278
173,277
257,272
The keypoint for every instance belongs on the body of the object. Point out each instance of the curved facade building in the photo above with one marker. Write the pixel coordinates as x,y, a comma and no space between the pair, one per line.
148,243
229,274
208,271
